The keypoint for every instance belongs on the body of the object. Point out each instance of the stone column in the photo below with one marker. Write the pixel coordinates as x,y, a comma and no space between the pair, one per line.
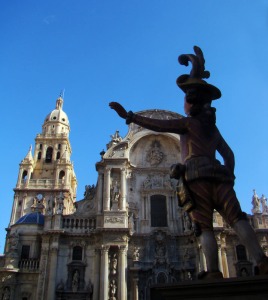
204,260
43,269
220,258
19,177
104,268
148,208
96,289
57,176
107,182
225,263
14,209
100,192
66,177
135,289
29,172
123,189
203,265
122,284
52,271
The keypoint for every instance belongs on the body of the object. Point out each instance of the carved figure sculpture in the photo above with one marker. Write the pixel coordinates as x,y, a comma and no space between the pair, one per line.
75,281
14,240
256,203
114,264
113,290
207,184
136,254
264,205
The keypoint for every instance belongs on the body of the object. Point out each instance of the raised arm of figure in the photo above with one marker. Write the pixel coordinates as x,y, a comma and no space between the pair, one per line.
119,109
179,126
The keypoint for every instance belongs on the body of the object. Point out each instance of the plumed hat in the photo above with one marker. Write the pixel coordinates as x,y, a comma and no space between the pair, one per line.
194,80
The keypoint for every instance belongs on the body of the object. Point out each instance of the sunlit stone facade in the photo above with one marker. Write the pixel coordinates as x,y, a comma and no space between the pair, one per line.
126,235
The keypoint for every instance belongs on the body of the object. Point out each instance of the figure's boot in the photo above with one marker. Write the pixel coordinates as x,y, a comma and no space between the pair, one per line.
248,238
210,249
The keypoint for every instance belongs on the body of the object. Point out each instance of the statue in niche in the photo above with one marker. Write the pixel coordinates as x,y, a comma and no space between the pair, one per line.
113,289
154,155
160,249
187,222
90,287
201,172
115,195
114,264
136,254
75,281
49,205
60,203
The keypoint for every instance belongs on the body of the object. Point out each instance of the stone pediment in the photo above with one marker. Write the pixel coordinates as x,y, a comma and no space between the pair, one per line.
159,114
85,207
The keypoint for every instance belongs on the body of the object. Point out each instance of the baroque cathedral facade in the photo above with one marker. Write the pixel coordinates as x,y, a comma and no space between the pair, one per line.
126,235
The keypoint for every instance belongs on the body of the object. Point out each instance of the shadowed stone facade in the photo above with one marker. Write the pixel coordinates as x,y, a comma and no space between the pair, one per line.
126,235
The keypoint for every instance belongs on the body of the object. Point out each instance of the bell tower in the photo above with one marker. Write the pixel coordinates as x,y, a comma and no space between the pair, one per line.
46,181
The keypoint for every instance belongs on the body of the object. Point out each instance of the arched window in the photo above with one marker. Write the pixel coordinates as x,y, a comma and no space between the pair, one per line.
61,175
39,155
158,211
24,176
58,155
77,253
241,253
49,154
59,146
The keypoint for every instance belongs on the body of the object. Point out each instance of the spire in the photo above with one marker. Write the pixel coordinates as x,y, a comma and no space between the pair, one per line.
62,94
59,103
29,156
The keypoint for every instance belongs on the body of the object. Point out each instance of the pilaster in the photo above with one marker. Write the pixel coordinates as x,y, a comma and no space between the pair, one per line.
104,272
122,284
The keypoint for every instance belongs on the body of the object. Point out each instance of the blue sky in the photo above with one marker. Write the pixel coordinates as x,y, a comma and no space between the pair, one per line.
126,51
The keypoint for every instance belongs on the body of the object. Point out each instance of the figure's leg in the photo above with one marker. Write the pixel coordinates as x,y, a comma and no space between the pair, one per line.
248,238
210,249
237,219
201,216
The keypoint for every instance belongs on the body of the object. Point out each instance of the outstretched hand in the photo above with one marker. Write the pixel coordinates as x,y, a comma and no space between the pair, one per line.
119,109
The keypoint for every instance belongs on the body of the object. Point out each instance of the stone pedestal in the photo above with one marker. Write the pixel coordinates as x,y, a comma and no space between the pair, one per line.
249,288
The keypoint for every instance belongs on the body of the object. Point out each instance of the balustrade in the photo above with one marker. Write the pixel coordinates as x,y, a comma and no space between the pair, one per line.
78,224
30,264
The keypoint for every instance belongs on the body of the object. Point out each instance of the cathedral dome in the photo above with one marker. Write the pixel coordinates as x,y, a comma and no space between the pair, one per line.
58,115
57,121
31,218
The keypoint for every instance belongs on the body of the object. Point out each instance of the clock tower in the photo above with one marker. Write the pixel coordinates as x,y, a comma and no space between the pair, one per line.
46,181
